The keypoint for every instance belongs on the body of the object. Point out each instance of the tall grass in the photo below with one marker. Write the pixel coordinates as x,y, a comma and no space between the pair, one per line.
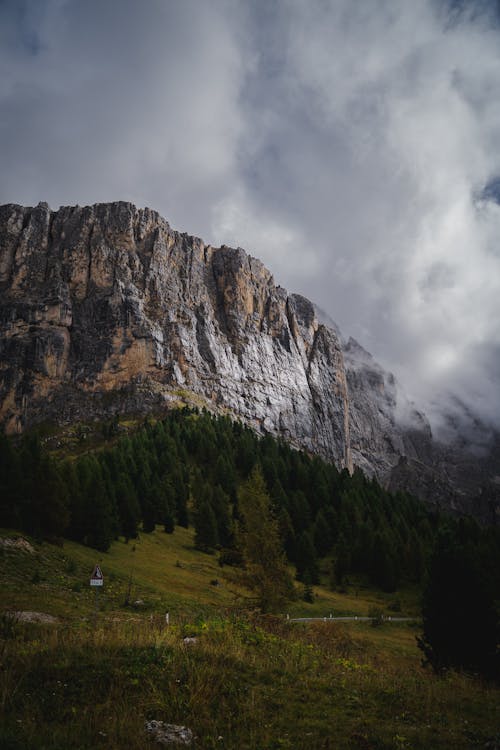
247,682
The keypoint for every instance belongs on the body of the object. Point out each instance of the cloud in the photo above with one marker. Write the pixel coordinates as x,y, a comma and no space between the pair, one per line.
114,101
353,147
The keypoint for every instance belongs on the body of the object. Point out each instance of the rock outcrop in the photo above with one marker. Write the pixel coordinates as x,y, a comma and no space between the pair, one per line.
106,310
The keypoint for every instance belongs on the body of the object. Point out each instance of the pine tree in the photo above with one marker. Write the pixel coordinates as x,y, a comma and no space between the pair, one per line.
306,558
49,514
308,593
461,625
128,508
206,536
181,508
96,515
342,560
222,510
261,546
322,534
11,497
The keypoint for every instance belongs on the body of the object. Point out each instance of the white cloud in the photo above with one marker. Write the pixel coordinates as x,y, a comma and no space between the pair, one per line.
236,223
345,144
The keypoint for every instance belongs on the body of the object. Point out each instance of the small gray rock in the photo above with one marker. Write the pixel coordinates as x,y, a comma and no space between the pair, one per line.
169,734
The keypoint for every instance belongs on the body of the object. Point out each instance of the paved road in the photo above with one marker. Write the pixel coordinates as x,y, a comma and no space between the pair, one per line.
344,619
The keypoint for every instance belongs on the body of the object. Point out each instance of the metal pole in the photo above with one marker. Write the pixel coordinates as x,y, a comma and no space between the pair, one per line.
96,602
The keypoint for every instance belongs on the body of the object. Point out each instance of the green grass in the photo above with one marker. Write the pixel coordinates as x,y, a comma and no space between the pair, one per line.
249,682
163,570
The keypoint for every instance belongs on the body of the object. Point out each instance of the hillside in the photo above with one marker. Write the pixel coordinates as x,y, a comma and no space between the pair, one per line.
87,670
246,681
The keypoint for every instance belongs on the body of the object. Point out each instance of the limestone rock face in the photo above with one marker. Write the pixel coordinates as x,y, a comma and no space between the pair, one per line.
376,407
106,310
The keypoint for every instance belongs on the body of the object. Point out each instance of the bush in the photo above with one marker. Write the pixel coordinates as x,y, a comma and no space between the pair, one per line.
377,617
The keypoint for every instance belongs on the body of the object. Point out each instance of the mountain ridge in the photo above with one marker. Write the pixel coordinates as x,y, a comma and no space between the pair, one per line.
106,309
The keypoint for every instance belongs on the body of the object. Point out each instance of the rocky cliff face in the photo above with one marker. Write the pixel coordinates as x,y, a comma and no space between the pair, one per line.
106,309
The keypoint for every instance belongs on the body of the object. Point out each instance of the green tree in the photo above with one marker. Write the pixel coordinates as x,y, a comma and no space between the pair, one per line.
260,543
128,508
342,562
206,537
308,592
50,515
306,559
460,614
11,485
222,510
384,568
322,534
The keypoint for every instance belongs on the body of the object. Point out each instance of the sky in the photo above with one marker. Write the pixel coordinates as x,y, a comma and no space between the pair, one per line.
354,147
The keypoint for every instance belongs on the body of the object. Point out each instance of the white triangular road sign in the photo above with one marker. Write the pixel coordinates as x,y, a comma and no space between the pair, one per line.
97,578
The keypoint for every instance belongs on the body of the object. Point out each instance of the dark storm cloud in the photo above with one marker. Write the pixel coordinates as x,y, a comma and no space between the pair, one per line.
351,146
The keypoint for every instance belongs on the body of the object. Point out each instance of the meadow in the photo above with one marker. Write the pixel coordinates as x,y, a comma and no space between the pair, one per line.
93,678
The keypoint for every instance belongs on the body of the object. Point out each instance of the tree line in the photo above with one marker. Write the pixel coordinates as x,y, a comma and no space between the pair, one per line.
186,470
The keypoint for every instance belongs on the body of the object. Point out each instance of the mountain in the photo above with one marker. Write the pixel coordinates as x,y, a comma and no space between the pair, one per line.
106,310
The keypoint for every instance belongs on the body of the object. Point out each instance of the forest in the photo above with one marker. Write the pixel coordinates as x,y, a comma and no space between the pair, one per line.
186,470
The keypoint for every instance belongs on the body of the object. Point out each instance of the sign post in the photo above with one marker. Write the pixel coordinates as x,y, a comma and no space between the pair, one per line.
96,581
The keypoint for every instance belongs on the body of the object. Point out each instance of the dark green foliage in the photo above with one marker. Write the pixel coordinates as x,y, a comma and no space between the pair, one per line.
342,561
206,534
32,494
261,545
287,533
231,557
461,601
93,518
222,511
168,522
188,468
377,616
46,493
384,563
307,559
308,593
322,534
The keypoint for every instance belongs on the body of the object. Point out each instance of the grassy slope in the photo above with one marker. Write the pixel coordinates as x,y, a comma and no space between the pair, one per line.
167,574
254,683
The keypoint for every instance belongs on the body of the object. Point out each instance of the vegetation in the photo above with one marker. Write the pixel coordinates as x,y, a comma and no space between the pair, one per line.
187,468
269,512
261,546
248,681
461,623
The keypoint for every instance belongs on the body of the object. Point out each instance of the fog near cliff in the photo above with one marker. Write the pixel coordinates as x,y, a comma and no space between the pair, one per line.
347,145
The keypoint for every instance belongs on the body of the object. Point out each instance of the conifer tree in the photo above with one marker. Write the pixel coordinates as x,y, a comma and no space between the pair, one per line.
306,558
461,623
259,541
222,511
205,525
128,508
342,560
322,534
11,500
49,514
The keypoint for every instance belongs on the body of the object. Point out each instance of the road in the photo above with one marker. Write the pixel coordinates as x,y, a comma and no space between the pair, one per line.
344,619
